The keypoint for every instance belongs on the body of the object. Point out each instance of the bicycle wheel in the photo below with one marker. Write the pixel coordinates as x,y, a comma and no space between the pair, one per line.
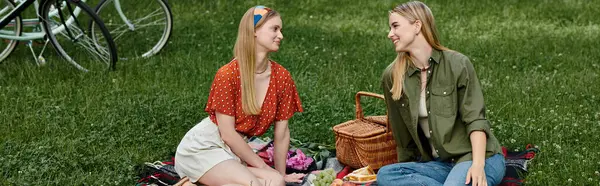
14,28
146,31
66,24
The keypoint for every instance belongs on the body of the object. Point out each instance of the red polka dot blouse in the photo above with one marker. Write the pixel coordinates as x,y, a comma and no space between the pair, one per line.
281,101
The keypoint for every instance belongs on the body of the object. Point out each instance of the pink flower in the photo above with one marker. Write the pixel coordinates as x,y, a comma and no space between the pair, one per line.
300,161
270,153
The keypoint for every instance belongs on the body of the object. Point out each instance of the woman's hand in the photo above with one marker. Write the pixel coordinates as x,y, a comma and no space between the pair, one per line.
289,178
297,178
477,174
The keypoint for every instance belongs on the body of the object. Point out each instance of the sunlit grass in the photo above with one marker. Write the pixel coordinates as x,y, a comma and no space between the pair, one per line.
537,62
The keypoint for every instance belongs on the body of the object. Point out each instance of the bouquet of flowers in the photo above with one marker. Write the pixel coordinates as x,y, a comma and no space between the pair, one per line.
295,159
301,158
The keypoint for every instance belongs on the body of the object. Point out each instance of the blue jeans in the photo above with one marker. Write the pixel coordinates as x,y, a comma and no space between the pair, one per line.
438,172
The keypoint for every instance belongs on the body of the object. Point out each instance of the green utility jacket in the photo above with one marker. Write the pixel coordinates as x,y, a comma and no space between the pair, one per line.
455,106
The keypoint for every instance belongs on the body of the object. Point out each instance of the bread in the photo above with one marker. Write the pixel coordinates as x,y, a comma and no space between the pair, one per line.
364,171
361,178
362,175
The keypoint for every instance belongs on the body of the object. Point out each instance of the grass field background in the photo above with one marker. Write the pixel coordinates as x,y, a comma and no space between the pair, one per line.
538,63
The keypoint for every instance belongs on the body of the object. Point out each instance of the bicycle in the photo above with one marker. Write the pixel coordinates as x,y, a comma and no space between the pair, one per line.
143,29
65,28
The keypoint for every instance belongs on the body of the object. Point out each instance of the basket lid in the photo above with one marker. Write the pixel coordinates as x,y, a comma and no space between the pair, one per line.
359,128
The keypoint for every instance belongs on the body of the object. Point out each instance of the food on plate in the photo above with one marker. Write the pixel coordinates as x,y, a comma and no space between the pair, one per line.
337,182
365,174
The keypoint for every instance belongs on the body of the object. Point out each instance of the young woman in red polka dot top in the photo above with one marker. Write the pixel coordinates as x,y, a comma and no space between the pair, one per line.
248,95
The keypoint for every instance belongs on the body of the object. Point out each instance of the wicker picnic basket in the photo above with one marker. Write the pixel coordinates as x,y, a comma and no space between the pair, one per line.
365,140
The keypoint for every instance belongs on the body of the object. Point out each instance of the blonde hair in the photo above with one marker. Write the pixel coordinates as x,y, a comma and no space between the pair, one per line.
244,51
413,11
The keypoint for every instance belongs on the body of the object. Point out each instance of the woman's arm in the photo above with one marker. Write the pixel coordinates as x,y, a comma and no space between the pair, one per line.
237,144
472,109
478,143
476,173
282,145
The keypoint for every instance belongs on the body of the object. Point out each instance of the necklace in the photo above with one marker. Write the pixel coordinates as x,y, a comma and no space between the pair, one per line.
424,78
266,67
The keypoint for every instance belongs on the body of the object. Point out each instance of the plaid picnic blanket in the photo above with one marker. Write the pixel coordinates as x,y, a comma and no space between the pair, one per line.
162,173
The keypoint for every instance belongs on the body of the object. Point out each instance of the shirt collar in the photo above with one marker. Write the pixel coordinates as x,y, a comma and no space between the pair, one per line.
436,56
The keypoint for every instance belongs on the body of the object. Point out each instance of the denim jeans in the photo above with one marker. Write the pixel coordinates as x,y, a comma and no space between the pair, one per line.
438,172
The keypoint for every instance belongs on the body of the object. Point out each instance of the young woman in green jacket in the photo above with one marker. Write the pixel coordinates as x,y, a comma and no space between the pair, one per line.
436,109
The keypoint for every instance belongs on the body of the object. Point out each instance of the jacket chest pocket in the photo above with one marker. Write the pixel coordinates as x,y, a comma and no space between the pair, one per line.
442,101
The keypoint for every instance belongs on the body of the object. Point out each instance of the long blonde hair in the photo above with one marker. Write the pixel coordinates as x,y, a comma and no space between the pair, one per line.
244,51
413,11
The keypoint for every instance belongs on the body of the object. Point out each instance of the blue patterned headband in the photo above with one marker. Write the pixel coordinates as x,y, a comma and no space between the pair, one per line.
260,12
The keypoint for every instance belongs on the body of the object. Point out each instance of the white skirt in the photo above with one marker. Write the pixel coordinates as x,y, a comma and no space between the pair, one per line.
201,149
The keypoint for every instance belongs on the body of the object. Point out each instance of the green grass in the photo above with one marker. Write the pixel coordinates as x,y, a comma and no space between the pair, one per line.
537,61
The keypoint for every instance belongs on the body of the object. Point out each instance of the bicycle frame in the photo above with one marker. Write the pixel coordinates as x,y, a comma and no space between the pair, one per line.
15,12
25,36
122,15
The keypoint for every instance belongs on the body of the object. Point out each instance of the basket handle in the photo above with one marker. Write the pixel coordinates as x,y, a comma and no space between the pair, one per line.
359,110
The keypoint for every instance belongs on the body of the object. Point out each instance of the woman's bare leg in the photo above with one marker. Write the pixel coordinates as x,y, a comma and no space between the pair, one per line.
229,172
268,177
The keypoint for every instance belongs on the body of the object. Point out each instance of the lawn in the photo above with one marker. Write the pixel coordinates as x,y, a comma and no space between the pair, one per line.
538,63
